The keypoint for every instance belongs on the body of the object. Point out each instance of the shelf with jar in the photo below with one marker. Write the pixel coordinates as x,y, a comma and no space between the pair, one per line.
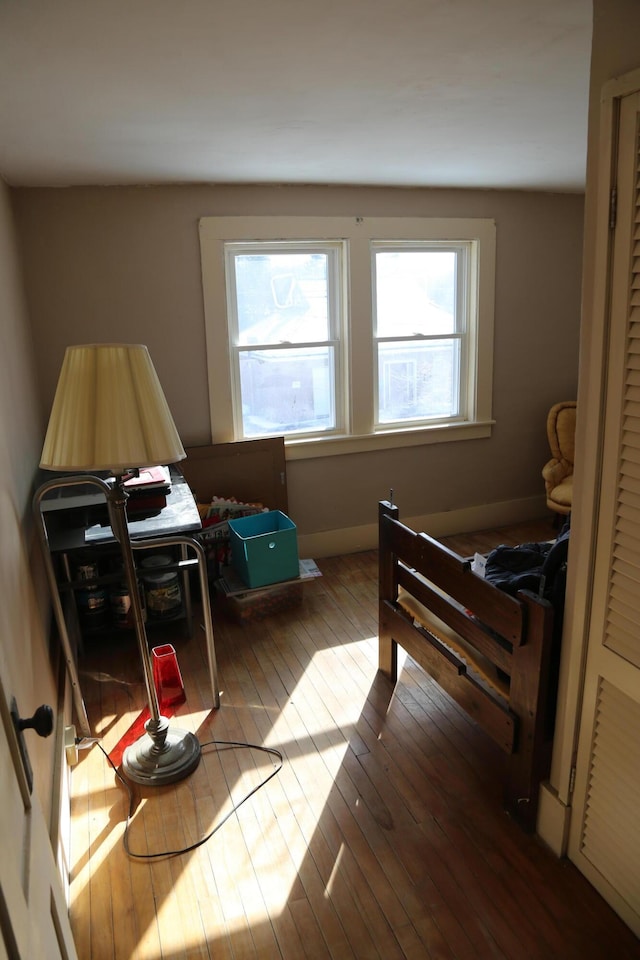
101,593
87,559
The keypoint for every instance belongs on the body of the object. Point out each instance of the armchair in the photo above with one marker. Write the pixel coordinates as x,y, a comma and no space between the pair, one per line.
558,471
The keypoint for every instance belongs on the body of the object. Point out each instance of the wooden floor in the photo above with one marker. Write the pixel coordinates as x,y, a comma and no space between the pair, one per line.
382,836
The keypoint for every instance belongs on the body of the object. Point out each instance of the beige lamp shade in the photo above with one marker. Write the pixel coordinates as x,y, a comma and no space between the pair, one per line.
109,412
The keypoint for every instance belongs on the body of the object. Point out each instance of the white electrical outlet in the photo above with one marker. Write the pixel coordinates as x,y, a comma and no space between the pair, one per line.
70,745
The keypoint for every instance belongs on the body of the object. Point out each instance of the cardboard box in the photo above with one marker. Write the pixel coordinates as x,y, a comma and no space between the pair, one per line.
263,602
264,548
243,604
249,470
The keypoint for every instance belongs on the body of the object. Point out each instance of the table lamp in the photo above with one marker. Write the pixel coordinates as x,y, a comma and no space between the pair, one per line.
110,414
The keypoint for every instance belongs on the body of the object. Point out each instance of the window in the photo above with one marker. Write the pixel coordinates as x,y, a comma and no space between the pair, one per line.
420,329
347,334
284,314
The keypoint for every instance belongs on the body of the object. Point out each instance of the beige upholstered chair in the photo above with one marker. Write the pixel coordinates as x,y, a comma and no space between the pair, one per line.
558,472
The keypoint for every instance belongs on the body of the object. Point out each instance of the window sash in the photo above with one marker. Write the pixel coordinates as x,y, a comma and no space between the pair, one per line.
334,253
313,391
462,323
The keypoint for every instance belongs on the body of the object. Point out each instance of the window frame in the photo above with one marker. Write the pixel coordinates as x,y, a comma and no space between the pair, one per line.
465,253
335,252
359,354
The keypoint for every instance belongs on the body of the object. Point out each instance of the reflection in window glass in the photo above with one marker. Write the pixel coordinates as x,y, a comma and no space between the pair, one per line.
415,292
287,391
417,380
281,297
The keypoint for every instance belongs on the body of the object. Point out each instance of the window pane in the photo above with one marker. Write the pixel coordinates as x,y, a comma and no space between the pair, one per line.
287,391
418,380
281,298
415,292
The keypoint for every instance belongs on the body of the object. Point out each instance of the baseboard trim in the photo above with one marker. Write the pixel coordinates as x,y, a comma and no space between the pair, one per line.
331,543
553,820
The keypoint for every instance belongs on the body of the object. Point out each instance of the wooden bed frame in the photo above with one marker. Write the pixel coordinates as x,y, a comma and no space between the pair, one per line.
491,652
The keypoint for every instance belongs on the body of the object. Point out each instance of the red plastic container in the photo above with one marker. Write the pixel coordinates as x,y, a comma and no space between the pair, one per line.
166,676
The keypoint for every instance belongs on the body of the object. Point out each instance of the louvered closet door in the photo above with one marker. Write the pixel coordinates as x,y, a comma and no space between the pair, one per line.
605,826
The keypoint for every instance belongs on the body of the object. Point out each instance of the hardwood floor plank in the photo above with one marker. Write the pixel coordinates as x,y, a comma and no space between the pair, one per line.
313,943
80,905
103,934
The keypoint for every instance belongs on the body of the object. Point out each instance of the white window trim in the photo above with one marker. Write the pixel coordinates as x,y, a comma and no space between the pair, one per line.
358,231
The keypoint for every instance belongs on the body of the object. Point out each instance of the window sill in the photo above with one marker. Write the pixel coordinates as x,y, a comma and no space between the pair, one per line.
338,446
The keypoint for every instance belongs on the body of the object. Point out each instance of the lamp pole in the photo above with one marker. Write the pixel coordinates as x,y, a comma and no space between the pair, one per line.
117,505
165,754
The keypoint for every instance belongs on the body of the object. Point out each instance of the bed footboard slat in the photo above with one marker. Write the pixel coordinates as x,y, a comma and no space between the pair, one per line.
460,619
450,672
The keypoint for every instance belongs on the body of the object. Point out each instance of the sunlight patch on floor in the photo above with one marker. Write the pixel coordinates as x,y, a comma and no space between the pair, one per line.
258,852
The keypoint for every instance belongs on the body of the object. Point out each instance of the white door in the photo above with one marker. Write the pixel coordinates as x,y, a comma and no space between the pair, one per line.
604,837
33,912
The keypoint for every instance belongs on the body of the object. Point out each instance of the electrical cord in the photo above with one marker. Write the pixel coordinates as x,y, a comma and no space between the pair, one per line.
198,843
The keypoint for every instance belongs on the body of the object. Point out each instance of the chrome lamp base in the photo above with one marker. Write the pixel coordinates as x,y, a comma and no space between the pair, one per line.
162,755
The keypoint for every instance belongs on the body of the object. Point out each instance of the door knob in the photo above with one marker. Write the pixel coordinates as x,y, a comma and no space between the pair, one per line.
41,721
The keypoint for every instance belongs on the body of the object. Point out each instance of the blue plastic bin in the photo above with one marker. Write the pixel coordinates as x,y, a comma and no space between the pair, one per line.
264,548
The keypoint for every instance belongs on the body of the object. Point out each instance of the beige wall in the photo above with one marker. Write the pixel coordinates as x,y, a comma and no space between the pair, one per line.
123,263
24,663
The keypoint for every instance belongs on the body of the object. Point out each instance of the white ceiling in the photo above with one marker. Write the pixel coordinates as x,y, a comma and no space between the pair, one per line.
462,93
